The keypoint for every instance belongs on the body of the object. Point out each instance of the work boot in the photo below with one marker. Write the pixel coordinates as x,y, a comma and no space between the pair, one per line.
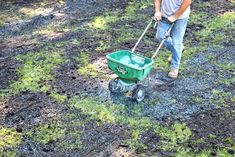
173,73
169,59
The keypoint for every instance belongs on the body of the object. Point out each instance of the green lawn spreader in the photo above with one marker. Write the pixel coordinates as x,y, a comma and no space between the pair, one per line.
131,69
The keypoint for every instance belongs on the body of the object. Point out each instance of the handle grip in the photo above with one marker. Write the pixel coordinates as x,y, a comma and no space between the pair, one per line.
168,32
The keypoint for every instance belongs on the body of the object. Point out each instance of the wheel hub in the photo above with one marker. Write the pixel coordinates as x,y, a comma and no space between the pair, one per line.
140,93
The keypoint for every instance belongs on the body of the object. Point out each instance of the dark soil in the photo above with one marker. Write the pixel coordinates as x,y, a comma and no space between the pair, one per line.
167,101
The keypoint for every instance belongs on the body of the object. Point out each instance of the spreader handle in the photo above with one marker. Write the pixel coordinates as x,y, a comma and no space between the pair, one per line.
137,43
167,34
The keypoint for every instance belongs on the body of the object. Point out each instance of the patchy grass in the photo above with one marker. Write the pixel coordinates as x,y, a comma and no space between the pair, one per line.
9,139
216,30
226,66
171,139
197,18
161,60
14,13
103,46
101,22
73,141
223,152
75,42
34,73
199,141
99,111
73,132
62,45
197,99
55,29
204,153
1,23
82,58
30,11
213,32
221,98
226,81
126,34
51,29
101,26
230,142
110,113
66,133
9,16
73,127
98,23
87,69
46,133
138,126
133,7
233,2
224,21
58,97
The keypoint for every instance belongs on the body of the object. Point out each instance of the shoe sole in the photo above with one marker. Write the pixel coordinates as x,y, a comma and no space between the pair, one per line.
172,76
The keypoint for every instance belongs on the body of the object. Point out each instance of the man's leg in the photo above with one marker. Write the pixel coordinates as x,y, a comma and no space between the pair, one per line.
163,26
177,36
173,43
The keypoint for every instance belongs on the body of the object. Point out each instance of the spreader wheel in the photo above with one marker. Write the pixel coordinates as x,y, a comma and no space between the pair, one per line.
113,86
139,93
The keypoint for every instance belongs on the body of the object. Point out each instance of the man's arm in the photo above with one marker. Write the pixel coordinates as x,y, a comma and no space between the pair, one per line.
185,4
157,8
157,5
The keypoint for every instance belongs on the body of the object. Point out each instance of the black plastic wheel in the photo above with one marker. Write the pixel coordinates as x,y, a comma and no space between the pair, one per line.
113,86
139,93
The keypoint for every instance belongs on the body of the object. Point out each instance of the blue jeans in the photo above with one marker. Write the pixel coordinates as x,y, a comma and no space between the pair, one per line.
174,43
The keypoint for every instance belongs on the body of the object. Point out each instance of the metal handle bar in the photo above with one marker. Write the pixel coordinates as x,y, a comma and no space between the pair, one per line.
167,34
137,43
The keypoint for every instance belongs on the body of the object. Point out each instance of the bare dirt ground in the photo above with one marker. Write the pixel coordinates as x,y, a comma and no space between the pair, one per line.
57,114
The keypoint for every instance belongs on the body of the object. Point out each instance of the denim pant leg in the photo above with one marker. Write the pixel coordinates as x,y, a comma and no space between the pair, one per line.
163,26
177,35
173,43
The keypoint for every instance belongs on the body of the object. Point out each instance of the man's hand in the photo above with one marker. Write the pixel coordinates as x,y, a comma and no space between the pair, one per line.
172,19
157,15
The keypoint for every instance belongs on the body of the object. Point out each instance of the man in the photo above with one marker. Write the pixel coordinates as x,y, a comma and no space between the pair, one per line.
168,12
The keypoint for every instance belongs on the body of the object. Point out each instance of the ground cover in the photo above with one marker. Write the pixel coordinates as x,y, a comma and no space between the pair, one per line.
54,98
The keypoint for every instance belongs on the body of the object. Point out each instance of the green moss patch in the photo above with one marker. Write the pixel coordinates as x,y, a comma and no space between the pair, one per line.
9,139
58,97
217,29
221,98
36,71
101,22
46,133
172,137
103,112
